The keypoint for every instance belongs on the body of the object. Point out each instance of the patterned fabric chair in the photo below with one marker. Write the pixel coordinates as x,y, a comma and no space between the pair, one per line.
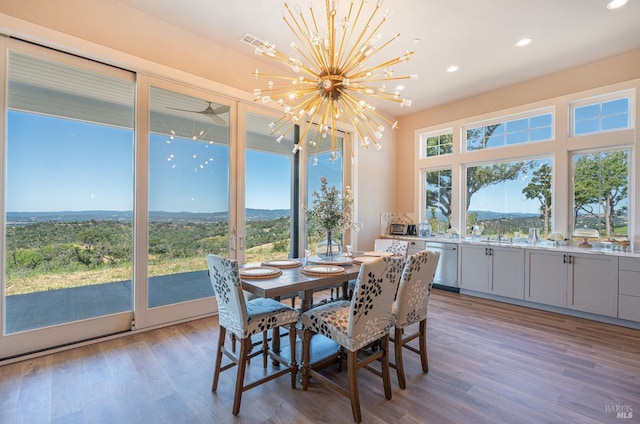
397,247
410,307
243,319
355,324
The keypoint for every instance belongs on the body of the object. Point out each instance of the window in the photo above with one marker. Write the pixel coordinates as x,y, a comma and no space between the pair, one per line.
606,115
328,162
437,144
437,195
69,191
508,198
507,133
601,192
188,194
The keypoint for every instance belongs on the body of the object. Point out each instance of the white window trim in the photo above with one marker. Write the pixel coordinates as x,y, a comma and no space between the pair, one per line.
503,119
630,93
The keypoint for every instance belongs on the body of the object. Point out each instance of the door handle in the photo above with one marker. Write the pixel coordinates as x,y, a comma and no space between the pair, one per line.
241,243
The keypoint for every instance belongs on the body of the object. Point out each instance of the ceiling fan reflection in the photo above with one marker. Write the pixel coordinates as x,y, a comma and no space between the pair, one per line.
209,112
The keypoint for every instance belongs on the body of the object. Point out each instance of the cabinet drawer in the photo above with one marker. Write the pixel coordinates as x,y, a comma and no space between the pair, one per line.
629,264
415,246
629,282
629,307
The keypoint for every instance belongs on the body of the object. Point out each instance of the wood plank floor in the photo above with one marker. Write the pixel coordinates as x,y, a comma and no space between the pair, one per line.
489,363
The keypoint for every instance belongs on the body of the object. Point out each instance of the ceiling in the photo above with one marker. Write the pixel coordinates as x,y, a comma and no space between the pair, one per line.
477,36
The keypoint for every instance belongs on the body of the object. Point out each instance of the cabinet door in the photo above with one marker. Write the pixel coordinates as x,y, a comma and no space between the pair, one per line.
593,284
507,276
415,246
546,277
475,268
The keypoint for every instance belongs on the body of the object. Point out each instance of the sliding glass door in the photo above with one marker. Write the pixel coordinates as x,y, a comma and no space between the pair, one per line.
68,221
270,171
188,200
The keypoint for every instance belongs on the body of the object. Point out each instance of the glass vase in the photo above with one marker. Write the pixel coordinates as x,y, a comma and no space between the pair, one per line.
329,248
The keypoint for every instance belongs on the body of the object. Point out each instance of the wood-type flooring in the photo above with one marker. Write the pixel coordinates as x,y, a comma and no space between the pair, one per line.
489,362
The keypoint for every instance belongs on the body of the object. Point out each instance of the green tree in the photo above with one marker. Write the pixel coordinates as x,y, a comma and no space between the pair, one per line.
540,188
440,196
479,177
601,184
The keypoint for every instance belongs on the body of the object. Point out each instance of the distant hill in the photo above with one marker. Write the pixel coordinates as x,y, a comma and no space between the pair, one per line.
490,215
23,218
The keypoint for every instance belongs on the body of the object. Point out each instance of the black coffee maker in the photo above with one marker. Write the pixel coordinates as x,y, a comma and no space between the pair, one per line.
412,230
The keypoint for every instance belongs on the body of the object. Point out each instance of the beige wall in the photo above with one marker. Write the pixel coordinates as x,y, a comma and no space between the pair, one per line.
125,29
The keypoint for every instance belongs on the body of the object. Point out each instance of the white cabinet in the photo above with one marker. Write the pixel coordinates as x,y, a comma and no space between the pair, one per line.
492,269
593,284
415,246
583,282
546,277
474,274
629,289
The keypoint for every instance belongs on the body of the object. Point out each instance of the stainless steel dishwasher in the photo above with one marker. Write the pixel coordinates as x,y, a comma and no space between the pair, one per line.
447,272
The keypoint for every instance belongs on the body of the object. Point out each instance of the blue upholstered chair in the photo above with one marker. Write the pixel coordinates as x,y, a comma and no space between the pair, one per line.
243,319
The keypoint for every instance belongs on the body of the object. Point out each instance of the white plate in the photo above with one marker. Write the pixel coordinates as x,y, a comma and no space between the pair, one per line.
259,272
363,259
323,269
282,263
378,254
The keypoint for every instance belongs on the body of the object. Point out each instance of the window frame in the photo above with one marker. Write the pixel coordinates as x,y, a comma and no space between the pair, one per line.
599,100
439,133
506,119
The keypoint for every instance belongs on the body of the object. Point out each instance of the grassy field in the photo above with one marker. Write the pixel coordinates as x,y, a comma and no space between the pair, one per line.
54,281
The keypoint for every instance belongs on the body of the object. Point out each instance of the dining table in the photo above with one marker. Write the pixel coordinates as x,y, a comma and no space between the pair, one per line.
295,281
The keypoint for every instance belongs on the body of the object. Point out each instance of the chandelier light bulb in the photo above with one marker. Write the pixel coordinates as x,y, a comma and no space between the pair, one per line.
339,70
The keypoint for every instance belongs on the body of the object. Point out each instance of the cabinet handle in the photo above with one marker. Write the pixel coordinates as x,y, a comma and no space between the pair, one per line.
486,251
490,252
564,259
570,259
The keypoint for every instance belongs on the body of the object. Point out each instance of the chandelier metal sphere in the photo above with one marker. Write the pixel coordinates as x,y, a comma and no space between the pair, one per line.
332,82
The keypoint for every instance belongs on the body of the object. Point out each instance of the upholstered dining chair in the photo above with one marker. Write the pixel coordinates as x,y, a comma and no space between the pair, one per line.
243,319
410,307
355,324
397,247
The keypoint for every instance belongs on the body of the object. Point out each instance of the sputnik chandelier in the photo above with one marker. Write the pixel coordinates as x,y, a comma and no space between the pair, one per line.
333,80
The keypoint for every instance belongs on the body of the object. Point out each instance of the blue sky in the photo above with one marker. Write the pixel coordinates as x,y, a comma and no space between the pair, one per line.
59,165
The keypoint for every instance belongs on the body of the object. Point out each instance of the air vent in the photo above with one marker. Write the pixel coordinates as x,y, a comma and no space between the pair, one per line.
251,40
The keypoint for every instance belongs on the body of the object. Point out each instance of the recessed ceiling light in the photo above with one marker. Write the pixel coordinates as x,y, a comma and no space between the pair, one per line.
614,4
417,41
400,88
523,42
452,68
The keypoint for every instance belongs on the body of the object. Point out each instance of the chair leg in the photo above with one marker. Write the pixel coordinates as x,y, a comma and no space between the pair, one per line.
292,363
398,334
245,348
216,371
386,377
424,357
265,348
353,385
306,358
